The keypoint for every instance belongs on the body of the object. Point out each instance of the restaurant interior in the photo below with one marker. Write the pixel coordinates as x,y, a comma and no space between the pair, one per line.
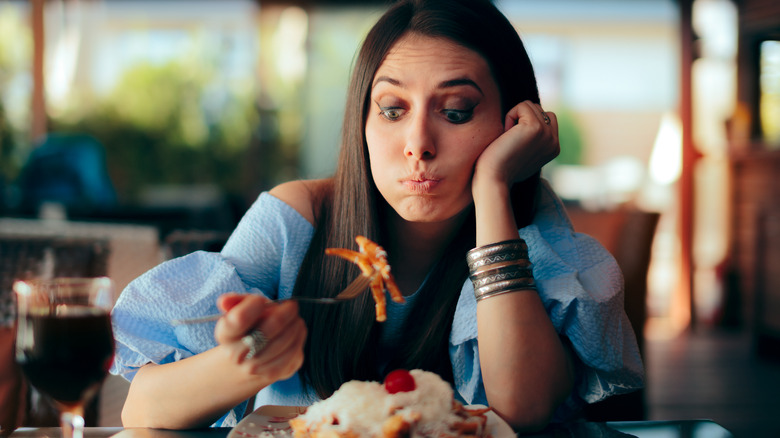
133,132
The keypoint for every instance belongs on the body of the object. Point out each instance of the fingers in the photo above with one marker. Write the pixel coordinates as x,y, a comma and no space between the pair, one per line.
264,337
527,144
229,300
548,118
277,321
283,355
242,314
540,127
529,113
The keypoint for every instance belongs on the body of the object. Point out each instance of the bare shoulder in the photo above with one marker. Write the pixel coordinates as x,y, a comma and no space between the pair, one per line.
300,195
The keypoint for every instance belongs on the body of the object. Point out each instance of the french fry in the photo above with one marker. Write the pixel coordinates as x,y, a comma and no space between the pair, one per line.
362,260
379,298
372,261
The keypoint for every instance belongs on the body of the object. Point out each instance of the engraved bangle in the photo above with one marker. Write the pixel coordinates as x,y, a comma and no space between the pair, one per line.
505,291
493,248
518,270
517,263
516,283
500,274
499,257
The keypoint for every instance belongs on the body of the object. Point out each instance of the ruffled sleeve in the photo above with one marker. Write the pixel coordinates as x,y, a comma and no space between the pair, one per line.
261,256
581,287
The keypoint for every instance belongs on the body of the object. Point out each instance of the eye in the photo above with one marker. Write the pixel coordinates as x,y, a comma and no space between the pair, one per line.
391,113
458,116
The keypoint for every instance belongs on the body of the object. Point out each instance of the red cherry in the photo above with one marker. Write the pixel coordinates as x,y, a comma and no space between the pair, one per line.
399,381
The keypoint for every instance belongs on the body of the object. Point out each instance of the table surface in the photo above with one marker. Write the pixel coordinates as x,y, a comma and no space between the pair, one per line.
134,248
640,429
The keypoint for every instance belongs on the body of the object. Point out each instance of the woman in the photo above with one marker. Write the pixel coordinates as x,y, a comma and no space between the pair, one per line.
443,140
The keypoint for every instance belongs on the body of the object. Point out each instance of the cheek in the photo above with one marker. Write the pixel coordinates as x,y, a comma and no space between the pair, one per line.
479,141
375,139
377,154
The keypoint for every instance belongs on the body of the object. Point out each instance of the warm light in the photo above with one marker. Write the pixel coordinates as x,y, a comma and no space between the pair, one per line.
666,158
770,92
22,288
62,59
291,43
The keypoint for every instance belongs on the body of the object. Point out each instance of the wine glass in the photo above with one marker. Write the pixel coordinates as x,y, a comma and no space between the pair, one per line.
64,342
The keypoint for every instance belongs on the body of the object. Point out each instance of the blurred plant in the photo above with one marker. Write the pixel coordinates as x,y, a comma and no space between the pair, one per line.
15,55
168,124
6,148
569,137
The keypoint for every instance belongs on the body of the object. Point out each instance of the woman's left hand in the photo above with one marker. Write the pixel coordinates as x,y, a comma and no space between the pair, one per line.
529,141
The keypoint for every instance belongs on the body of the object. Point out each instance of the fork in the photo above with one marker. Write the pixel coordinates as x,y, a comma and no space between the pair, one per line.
352,291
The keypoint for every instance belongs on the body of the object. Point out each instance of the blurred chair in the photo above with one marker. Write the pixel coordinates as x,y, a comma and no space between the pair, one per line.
628,235
25,257
183,242
67,169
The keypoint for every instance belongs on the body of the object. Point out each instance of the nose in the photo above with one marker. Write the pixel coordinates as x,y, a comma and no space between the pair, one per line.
420,139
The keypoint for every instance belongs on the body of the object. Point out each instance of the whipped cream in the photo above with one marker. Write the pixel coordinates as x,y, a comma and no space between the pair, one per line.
363,407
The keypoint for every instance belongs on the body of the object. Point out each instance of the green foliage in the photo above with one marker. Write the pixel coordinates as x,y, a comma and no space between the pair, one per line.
15,50
158,128
7,167
15,40
569,137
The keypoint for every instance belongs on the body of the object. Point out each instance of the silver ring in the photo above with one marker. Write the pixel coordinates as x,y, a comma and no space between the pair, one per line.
546,118
255,341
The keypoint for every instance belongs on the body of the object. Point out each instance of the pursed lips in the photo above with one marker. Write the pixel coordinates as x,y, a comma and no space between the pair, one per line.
420,184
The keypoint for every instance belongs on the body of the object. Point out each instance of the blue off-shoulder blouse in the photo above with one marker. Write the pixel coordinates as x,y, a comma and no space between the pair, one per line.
579,282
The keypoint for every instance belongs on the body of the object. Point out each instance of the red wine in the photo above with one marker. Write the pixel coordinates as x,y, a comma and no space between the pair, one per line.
67,356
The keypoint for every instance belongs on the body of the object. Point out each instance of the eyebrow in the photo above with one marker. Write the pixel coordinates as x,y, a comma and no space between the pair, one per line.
460,82
446,84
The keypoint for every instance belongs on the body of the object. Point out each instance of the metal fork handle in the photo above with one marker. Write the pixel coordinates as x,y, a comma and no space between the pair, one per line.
216,316
354,289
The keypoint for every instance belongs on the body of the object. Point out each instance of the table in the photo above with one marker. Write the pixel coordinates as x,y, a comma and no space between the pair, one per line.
623,429
134,249
118,432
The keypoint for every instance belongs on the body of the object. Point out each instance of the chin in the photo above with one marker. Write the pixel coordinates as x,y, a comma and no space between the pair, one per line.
428,215
422,219
417,215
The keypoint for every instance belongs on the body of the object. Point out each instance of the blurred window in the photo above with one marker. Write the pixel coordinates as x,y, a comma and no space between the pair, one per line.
770,92
168,87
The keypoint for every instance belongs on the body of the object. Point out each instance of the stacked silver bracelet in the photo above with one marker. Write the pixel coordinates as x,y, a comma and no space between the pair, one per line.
500,268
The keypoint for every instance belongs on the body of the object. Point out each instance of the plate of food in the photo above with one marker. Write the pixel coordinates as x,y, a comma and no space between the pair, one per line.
412,403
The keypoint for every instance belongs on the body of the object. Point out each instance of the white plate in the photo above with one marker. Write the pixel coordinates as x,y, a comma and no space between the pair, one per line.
267,421
271,421
498,427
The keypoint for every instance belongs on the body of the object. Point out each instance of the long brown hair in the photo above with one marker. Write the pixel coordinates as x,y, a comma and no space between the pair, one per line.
343,339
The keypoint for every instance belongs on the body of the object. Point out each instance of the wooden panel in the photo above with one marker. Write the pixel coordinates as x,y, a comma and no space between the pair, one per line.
38,116
768,259
755,232
759,14
756,238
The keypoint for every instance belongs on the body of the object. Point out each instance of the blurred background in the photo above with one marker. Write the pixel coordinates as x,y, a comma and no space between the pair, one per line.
155,124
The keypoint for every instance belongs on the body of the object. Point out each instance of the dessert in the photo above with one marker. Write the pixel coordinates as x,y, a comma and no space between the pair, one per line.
372,261
412,403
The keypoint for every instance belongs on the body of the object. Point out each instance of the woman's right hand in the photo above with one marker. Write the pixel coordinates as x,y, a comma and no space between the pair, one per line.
280,324
196,391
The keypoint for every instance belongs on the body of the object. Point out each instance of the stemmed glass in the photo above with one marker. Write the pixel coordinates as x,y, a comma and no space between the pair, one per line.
64,342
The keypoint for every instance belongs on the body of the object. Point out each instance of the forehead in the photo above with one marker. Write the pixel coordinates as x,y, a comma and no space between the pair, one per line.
420,54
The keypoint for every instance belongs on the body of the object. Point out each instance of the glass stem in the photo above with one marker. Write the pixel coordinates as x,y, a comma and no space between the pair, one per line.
72,422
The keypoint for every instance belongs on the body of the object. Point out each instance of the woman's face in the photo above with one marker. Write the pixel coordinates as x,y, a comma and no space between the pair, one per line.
434,108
